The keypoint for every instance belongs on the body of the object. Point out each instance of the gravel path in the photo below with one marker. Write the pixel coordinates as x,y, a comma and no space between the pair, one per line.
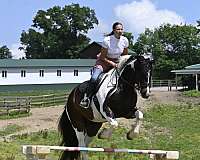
40,119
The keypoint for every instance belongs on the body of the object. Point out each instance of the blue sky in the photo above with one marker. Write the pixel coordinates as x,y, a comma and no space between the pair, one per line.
17,15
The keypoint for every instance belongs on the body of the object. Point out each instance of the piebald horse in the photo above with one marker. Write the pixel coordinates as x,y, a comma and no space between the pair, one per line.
116,90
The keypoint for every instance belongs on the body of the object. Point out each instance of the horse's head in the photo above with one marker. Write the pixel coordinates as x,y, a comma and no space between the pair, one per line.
136,70
143,67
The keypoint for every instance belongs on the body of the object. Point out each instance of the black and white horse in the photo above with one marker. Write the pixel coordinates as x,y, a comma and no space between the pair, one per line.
117,91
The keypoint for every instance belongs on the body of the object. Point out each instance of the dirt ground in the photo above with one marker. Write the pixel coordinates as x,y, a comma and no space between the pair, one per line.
47,118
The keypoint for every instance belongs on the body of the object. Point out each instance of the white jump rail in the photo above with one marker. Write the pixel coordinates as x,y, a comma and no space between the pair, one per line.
40,152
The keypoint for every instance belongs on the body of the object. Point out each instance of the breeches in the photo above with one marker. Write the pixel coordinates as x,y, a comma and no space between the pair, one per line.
95,74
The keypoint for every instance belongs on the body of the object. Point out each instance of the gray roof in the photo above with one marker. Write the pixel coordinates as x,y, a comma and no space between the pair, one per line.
186,71
13,63
193,69
195,66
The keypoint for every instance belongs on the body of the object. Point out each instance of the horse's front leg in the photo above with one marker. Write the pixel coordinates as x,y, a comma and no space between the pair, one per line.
106,133
135,128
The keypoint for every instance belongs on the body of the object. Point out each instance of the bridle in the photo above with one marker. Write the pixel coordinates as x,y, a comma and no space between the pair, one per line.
119,73
123,79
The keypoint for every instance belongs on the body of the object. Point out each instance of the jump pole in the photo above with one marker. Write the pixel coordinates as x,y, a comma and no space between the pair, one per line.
40,152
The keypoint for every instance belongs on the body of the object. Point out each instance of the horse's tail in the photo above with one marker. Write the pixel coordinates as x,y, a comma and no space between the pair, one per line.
68,135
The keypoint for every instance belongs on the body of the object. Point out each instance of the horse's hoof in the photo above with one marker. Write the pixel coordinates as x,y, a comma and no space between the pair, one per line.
130,135
105,133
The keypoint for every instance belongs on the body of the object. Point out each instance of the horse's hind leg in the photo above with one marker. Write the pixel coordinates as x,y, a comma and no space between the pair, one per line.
83,141
135,128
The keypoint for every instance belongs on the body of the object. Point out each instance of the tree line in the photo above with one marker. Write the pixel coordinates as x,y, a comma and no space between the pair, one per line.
61,32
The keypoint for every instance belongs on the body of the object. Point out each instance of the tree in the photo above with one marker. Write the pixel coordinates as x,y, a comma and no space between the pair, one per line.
144,42
173,46
130,38
5,52
59,32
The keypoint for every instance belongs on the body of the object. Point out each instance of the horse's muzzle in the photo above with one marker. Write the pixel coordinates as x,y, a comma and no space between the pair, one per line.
144,93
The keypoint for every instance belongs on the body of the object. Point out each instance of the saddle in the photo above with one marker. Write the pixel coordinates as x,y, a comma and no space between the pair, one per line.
85,85
92,88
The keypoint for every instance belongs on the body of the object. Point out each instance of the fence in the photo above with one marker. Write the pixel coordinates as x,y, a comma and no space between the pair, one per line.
8,104
48,100
165,83
38,152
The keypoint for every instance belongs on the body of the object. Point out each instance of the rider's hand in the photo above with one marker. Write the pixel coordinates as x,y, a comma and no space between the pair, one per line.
114,64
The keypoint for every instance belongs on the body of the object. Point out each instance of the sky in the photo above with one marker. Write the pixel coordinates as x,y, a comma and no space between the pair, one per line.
136,15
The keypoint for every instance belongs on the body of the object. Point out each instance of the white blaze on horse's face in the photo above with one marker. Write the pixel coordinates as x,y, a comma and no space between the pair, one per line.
144,86
148,82
149,56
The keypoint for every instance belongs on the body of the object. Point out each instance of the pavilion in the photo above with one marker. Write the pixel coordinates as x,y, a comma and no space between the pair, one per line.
190,70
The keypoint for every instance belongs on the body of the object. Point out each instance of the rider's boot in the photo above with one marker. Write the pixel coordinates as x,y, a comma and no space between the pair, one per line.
85,102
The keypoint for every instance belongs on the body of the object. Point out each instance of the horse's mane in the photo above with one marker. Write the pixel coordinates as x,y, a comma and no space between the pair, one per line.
122,61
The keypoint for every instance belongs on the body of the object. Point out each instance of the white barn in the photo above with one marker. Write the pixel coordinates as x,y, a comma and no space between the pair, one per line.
44,71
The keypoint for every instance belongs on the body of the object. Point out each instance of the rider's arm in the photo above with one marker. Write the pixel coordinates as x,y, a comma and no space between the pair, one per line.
103,56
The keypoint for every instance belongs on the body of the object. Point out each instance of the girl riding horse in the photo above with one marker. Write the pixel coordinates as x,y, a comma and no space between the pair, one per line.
78,125
114,45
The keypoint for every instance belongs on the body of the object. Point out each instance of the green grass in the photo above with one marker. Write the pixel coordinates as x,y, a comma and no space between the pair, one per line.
32,93
10,129
175,128
192,93
165,127
14,147
14,115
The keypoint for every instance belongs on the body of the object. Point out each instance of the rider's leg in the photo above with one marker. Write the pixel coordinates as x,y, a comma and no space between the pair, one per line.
91,87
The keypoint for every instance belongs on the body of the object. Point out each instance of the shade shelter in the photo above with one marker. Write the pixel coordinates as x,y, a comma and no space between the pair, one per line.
190,70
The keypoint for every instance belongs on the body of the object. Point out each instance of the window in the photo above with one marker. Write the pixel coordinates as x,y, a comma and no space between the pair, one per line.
23,73
4,74
41,73
75,72
59,73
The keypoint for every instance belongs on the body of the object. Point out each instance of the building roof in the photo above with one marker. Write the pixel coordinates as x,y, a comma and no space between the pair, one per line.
193,69
195,66
186,71
14,63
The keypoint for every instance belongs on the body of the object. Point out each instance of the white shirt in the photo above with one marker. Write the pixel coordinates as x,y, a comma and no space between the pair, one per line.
115,46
